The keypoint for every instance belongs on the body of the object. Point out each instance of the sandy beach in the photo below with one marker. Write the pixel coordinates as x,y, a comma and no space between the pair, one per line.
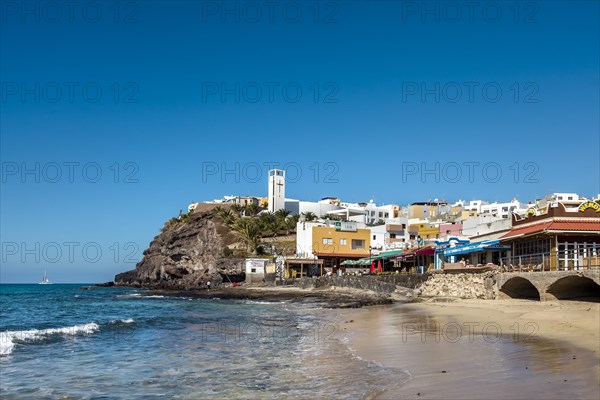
478,349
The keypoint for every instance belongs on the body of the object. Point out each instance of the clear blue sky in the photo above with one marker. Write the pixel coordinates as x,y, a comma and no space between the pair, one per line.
386,76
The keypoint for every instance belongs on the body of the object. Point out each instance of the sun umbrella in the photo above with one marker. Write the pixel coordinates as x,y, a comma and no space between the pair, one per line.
373,266
379,269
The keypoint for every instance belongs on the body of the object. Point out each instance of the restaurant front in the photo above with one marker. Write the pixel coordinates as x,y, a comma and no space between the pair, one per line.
555,239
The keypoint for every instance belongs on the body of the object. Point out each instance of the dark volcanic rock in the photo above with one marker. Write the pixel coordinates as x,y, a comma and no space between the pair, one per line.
185,255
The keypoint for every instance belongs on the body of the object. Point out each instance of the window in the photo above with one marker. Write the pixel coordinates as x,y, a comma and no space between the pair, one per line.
392,236
386,215
380,214
253,270
535,246
358,244
343,242
374,237
327,241
570,197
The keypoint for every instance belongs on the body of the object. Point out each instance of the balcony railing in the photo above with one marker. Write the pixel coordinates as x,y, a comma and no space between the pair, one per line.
565,260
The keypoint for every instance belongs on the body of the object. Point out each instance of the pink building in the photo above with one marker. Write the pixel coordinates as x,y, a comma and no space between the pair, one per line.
448,230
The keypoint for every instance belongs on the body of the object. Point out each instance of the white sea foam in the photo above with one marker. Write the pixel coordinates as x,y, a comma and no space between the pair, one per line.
262,302
122,321
9,338
129,295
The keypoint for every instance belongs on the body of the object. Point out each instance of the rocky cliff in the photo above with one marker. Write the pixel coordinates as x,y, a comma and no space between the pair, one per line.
188,253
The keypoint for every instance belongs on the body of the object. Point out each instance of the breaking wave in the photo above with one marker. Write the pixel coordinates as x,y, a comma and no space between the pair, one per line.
8,339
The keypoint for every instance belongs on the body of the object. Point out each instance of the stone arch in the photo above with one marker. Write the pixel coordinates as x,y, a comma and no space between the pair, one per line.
575,287
520,288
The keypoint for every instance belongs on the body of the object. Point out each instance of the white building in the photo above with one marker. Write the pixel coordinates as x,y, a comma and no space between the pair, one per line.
304,239
320,208
255,269
276,197
391,235
473,205
502,210
370,213
570,200
484,225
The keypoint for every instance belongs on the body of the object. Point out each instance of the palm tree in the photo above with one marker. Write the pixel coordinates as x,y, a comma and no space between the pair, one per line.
290,223
282,214
268,223
309,216
237,208
249,232
252,209
225,214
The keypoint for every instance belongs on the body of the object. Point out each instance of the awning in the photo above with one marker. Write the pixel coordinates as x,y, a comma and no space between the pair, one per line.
591,226
381,256
426,250
388,254
475,247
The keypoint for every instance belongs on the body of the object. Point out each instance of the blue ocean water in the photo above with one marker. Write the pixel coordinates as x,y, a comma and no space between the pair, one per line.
60,341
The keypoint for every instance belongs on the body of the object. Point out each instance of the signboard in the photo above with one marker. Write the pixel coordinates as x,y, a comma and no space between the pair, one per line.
345,226
589,204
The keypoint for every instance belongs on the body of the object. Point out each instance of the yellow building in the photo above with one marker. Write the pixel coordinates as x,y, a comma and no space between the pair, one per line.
337,244
425,231
468,214
428,210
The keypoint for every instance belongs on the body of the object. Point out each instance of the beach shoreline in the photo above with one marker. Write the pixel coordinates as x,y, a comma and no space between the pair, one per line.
455,348
472,349
330,297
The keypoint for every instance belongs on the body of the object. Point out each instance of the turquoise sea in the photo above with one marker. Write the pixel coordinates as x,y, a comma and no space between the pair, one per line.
60,341
68,342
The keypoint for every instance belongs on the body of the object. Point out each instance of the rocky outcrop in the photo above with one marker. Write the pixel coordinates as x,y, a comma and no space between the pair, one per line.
186,255
464,286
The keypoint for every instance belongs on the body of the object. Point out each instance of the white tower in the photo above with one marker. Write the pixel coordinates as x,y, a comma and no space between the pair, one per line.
276,190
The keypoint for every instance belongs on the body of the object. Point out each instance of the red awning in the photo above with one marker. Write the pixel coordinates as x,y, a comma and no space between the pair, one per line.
427,250
584,225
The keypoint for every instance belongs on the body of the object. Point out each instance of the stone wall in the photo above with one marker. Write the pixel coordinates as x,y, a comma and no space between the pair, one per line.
380,284
465,286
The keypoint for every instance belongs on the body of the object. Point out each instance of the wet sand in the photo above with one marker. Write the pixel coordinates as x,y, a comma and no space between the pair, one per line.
477,349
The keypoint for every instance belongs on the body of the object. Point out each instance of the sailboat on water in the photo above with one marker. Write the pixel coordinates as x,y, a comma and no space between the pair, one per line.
45,281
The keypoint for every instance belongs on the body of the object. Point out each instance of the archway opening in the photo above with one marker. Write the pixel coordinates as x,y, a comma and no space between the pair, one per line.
520,288
575,287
